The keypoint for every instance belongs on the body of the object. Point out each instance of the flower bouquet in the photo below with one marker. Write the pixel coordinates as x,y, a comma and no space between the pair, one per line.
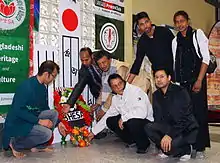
78,135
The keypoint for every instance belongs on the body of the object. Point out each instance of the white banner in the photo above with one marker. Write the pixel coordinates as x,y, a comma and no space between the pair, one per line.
110,8
70,39
70,31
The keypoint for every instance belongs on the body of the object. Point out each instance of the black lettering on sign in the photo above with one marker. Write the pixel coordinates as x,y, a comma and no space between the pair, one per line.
90,102
74,116
67,53
74,71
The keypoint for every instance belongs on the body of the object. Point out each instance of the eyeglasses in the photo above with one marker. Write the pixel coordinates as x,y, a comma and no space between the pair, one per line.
54,76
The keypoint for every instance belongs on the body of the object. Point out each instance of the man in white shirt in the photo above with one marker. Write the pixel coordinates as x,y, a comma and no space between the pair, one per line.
130,110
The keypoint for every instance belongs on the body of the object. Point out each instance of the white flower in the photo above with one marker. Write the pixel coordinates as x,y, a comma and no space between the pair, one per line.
63,99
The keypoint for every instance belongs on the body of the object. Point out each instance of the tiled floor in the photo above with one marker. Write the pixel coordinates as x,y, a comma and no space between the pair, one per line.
110,150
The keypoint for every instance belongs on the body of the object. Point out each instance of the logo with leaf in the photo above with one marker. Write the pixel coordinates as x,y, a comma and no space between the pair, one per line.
7,8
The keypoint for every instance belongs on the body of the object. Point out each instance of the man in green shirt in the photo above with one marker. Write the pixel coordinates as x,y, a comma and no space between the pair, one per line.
30,121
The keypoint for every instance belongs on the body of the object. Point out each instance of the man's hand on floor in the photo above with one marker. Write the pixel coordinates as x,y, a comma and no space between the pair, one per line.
166,143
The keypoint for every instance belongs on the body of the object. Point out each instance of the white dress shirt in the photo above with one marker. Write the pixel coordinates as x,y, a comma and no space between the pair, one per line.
134,103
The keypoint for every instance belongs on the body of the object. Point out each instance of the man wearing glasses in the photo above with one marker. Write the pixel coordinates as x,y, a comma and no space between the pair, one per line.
129,112
30,121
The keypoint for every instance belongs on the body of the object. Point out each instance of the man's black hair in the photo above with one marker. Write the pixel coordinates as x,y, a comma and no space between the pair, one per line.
48,66
86,49
167,71
114,76
101,53
141,15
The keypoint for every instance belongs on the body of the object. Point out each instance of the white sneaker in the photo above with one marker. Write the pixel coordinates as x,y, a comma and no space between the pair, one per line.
185,158
200,155
162,155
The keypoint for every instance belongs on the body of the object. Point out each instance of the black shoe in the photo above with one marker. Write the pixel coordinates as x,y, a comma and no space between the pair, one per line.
100,135
141,151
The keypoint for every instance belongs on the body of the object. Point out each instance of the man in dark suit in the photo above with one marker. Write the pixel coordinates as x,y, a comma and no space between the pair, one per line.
174,129
89,74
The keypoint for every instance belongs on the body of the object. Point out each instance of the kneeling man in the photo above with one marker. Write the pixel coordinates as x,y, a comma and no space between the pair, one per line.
129,112
29,122
174,128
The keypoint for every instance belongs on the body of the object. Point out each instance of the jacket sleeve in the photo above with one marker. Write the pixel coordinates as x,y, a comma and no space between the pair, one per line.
112,111
183,114
99,99
203,45
79,87
139,58
170,36
123,71
20,102
107,103
156,115
141,108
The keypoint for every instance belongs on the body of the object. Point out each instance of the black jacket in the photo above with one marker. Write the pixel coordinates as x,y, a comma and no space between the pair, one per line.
158,49
175,110
87,75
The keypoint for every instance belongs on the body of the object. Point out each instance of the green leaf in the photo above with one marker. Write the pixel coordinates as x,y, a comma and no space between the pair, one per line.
7,2
84,106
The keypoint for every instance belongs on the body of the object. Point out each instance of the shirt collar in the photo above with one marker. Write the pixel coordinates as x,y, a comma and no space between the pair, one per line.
169,89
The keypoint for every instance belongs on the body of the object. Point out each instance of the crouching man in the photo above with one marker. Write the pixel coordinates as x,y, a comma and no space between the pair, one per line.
129,112
174,128
29,122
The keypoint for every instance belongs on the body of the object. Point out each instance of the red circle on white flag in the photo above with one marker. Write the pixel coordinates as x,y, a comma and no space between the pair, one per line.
70,20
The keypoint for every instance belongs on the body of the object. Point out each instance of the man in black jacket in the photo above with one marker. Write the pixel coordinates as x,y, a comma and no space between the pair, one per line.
174,129
89,74
155,43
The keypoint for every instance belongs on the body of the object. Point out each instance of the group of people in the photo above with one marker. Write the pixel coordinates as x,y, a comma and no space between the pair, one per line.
174,120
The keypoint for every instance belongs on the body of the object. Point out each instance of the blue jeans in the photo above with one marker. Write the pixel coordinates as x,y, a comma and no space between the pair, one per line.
39,135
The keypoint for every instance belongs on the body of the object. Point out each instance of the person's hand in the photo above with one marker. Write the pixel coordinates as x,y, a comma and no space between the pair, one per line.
66,108
46,123
166,143
91,136
120,124
94,107
197,86
100,114
130,77
62,129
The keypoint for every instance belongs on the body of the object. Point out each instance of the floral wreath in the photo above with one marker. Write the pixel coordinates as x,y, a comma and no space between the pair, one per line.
78,136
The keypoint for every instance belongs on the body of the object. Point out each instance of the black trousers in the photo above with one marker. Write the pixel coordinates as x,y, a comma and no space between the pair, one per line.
180,145
133,131
200,111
